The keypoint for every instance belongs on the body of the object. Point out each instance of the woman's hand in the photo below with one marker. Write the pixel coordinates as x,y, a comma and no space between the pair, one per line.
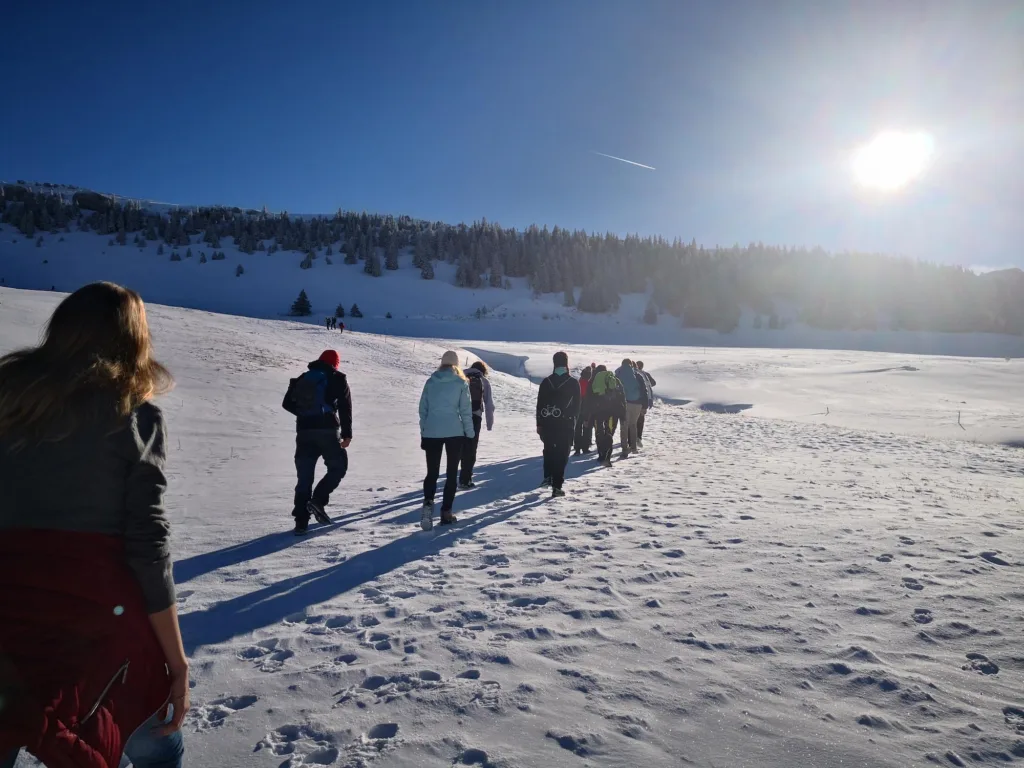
179,703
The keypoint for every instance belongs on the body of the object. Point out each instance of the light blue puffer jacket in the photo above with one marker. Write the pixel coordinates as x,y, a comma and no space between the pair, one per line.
446,409
630,386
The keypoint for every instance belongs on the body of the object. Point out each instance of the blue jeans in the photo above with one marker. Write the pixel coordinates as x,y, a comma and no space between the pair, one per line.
145,749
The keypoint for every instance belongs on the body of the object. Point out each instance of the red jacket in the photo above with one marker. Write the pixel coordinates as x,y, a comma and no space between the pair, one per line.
78,656
584,387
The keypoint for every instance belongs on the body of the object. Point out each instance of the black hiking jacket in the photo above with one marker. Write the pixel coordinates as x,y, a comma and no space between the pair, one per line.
338,397
558,400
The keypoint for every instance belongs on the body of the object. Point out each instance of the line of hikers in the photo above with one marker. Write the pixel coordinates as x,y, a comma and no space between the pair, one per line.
86,584
452,409
332,324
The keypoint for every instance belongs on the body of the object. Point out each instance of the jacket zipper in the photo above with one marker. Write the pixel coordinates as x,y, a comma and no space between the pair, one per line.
122,672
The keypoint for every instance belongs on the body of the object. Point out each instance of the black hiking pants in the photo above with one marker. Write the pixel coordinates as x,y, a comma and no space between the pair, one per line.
469,447
604,431
584,434
557,437
434,447
311,445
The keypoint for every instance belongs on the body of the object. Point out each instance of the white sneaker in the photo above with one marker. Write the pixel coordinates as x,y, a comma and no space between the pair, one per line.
427,517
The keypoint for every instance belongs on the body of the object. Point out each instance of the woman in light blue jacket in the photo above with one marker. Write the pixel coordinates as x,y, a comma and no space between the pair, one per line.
446,420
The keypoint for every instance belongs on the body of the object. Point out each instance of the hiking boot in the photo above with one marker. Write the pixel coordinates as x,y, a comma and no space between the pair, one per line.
606,463
557,493
640,444
301,527
623,455
427,517
447,518
467,486
316,509
546,483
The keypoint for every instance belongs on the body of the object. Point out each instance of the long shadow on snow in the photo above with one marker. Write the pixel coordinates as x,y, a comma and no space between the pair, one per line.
193,567
497,482
525,472
252,611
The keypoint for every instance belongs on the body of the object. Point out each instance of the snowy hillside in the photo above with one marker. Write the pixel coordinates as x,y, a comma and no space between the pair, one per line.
748,592
216,260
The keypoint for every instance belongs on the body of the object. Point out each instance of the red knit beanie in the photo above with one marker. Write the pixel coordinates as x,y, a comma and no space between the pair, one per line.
332,358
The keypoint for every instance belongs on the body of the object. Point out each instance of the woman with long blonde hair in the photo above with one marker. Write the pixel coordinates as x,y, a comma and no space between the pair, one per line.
446,422
92,663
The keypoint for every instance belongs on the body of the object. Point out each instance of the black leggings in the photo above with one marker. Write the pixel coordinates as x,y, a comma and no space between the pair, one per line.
452,448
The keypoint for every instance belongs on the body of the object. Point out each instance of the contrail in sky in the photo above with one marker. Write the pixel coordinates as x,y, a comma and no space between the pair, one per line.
624,160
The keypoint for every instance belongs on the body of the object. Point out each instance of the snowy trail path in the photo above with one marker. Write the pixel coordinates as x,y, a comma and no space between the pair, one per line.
746,592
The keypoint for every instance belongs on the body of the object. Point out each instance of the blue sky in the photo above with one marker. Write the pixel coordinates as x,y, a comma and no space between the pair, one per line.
458,110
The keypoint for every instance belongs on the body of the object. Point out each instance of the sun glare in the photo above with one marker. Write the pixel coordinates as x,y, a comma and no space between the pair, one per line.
891,160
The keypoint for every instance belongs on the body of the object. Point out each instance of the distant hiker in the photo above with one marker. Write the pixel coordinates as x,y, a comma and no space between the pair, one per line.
606,405
483,406
341,327
584,426
634,406
558,408
321,402
327,323
446,421
650,385
92,664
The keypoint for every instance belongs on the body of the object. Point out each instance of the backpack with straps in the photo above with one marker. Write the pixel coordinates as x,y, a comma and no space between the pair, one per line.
604,382
309,392
476,393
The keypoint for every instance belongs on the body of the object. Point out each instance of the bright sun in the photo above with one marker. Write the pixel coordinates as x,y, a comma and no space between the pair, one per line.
891,160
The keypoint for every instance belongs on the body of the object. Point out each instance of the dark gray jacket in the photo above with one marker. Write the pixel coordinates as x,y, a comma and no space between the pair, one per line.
98,481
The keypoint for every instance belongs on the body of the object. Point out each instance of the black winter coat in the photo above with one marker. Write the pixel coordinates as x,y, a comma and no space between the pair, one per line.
559,394
338,397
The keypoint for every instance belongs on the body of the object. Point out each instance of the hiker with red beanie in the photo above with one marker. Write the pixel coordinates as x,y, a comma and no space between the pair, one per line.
321,402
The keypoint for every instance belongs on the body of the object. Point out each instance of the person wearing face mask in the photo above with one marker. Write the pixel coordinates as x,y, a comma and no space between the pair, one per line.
558,408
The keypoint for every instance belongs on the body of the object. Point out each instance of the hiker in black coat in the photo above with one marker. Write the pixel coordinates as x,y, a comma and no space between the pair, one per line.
558,408
321,402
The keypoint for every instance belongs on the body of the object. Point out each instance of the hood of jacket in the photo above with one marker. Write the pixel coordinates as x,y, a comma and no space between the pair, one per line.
319,365
445,406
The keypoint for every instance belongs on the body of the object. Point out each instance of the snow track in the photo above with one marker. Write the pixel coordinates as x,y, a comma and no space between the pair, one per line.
745,592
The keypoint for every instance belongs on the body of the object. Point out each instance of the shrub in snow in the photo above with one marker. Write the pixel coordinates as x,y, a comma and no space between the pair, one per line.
301,306
340,311
175,256
388,316
160,250
427,270
328,259
219,256
239,271
355,311
202,258
306,263
39,242
110,242
188,254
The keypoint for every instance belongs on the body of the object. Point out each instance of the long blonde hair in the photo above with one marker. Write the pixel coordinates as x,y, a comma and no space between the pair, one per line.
96,343
456,368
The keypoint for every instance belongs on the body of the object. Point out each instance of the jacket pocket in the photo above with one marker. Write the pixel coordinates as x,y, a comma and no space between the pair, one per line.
122,672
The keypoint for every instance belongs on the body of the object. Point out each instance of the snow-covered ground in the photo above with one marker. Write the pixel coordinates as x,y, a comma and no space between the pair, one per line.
419,308
763,588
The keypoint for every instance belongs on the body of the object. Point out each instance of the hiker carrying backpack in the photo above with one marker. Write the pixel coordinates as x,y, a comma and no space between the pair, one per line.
321,402
606,405
483,406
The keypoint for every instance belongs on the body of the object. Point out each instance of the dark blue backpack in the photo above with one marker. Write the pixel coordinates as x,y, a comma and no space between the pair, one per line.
309,393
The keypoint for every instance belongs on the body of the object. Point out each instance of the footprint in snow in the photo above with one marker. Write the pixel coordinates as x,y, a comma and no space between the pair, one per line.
214,714
922,616
979,662
911,583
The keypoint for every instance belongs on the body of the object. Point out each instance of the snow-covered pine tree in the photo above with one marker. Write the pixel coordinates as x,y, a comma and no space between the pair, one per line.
651,313
568,298
239,271
301,306
188,254
427,270
340,311
202,257
307,262
372,267
391,253
159,248
175,256
355,311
